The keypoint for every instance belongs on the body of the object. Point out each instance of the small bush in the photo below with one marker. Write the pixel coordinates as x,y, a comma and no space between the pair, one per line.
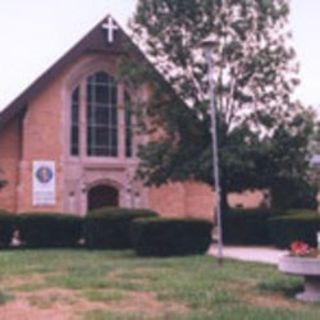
246,226
170,237
302,226
7,223
109,228
39,230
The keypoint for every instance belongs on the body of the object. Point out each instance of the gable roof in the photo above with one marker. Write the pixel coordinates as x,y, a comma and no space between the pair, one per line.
94,41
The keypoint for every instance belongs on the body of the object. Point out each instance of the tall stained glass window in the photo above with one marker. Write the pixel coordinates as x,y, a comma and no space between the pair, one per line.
102,115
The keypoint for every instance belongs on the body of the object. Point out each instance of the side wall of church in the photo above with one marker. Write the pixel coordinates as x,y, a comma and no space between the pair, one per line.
168,200
42,140
188,199
10,149
196,200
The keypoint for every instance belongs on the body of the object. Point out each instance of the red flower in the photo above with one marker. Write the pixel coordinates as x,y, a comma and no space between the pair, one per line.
299,248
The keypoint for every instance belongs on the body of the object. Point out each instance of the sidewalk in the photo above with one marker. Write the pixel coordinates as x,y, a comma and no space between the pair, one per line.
256,254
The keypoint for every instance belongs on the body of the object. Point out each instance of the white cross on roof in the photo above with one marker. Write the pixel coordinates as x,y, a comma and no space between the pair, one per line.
111,27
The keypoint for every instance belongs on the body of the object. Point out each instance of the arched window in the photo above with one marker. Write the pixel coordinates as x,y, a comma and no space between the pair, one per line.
95,116
102,115
74,134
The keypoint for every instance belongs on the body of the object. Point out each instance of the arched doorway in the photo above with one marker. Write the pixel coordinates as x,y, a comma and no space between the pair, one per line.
102,196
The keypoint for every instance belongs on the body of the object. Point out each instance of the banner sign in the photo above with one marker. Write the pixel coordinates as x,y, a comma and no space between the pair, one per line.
43,183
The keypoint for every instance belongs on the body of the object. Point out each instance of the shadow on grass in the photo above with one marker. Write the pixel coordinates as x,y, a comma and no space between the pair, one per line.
287,288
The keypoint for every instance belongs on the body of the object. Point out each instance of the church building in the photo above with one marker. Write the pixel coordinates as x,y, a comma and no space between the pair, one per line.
67,143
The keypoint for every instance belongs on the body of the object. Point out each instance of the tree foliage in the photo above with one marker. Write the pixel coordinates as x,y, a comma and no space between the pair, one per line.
262,133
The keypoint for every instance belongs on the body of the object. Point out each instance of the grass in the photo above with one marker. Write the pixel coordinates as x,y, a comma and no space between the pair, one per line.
111,285
105,295
4,298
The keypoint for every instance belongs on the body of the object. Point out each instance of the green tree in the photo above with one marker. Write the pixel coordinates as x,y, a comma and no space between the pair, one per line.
262,133
289,175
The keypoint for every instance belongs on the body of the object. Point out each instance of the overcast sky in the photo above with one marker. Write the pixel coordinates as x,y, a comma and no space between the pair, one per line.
35,33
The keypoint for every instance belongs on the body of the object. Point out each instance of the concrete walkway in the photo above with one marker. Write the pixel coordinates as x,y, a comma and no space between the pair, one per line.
256,254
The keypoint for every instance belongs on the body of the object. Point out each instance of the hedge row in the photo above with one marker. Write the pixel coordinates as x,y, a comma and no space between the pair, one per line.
38,230
107,228
301,226
110,228
6,228
166,237
263,226
115,228
247,227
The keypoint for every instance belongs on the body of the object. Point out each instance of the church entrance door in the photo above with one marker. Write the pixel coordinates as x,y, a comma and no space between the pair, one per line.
103,196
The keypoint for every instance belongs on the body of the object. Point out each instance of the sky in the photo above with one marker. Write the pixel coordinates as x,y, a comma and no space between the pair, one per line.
36,33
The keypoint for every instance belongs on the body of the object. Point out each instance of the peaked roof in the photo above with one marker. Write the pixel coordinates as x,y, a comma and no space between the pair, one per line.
94,41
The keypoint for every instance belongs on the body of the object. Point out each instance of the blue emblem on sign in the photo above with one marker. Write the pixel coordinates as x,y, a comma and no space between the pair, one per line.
44,174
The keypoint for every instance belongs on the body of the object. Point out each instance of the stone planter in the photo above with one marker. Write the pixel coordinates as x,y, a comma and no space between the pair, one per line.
307,267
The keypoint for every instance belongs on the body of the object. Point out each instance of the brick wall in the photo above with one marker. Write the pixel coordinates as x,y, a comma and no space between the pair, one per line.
196,200
10,149
42,140
44,137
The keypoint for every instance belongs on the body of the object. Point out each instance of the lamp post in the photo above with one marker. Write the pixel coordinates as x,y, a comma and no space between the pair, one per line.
208,46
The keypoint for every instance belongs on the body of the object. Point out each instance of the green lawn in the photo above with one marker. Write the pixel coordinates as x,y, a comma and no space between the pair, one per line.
94,285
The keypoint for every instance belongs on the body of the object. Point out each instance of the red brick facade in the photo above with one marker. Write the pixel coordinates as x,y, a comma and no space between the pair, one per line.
39,130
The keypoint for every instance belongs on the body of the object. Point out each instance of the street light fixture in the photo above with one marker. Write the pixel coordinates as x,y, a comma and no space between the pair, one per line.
208,47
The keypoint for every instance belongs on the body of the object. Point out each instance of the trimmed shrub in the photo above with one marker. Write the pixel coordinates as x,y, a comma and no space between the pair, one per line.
286,229
7,224
246,226
109,228
170,237
38,230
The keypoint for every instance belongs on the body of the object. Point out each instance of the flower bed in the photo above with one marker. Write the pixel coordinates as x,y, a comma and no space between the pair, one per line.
302,249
